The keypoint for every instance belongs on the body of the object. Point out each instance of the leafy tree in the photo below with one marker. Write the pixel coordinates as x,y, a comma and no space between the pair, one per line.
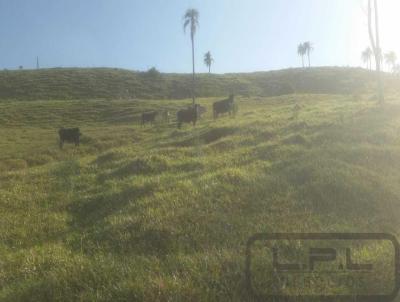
191,19
366,56
153,73
301,52
391,59
208,60
308,47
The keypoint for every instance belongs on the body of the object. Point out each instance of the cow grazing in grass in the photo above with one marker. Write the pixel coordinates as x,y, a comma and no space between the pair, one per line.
224,106
149,117
69,135
188,115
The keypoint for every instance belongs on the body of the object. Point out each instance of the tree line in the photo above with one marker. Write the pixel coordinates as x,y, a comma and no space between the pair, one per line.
191,20
390,58
305,49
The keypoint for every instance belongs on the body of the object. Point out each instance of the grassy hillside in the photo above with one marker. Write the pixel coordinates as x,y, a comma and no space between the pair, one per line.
160,214
103,83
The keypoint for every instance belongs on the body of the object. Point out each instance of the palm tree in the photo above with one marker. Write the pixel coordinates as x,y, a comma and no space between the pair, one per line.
366,56
191,18
308,47
208,60
390,59
301,51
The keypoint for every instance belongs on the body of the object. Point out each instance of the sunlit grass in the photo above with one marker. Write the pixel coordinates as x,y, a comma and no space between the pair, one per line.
161,214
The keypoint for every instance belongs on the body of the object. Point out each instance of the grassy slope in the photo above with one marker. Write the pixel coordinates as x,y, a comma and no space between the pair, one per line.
160,214
103,83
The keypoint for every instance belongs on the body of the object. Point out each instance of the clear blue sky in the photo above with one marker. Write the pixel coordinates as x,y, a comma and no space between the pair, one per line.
242,35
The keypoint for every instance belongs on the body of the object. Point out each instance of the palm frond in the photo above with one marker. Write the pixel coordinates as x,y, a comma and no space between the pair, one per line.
301,50
208,59
185,24
308,46
191,17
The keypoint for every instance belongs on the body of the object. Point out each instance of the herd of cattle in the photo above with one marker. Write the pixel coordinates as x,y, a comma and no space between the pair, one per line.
187,115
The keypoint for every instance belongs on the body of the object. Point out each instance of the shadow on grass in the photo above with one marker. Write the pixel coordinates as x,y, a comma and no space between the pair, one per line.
207,137
88,212
139,166
127,239
108,159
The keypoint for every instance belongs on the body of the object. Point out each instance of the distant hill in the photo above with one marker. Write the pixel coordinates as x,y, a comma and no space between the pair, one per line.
109,83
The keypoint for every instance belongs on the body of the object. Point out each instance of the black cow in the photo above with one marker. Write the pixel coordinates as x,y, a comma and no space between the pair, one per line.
69,135
149,117
224,106
188,115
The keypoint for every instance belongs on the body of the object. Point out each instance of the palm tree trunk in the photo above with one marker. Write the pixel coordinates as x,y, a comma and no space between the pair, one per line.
381,96
376,47
209,68
302,60
309,62
193,84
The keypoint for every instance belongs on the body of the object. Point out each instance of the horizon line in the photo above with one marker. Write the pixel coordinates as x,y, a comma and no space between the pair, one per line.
187,73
